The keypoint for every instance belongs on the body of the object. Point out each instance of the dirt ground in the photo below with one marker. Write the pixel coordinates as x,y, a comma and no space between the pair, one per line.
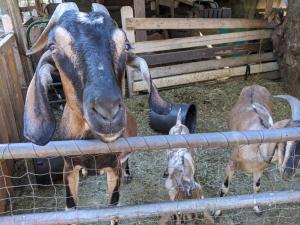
213,103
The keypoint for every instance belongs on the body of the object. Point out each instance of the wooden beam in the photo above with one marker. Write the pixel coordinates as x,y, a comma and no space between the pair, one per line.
214,64
204,53
19,31
205,76
127,12
6,43
194,23
198,41
7,24
27,8
139,11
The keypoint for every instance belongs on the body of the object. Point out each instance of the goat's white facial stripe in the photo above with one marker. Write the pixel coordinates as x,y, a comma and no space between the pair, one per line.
100,66
64,40
84,18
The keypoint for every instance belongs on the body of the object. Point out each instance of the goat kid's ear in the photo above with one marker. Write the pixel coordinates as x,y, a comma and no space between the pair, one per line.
281,124
39,120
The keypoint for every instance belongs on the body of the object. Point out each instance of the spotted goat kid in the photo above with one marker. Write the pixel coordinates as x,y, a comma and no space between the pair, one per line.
181,183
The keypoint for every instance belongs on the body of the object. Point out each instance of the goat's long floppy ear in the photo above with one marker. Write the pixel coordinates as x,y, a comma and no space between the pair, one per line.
39,120
43,39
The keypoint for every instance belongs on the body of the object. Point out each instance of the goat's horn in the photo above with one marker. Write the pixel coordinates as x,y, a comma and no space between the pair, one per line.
96,7
294,103
156,102
43,39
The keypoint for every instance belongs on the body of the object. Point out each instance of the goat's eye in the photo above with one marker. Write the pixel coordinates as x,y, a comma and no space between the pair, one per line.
127,47
52,46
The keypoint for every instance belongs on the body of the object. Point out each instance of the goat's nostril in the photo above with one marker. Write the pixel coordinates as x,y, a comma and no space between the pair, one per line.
107,110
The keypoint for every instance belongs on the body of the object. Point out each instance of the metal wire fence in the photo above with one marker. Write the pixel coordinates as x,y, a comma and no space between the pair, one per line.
27,199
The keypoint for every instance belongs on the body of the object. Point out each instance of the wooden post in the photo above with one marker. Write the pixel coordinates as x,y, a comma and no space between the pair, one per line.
3,8
139,11
127,12
286,42
14,12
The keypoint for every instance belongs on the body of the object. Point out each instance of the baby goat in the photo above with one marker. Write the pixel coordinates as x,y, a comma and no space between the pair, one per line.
253,112
181,169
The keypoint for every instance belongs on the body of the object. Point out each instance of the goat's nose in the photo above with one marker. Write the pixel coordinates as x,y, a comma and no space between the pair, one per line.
107,109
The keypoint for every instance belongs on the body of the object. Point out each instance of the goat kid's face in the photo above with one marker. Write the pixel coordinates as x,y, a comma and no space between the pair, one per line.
90,53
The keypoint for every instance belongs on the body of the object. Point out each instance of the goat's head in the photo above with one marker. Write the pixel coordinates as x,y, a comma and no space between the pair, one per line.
179,127
90,53
289,150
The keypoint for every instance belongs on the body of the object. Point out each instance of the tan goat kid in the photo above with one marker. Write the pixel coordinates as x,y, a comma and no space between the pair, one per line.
181,170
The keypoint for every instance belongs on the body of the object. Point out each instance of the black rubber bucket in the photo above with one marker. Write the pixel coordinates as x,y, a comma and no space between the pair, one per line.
164,122
48,170
163,114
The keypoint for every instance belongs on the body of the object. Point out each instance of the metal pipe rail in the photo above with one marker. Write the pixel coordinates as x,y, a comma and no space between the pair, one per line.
151,210
146,143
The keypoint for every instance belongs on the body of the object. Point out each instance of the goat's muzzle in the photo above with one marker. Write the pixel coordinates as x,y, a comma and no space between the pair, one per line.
105,117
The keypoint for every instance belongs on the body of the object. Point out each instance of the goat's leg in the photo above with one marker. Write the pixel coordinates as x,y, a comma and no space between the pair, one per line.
256,188
71,181
127,175
114,176
229,172
113,181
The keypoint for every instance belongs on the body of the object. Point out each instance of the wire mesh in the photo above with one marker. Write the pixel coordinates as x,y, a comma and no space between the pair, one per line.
148,186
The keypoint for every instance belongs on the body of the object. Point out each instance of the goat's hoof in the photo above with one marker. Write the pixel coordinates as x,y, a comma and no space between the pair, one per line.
127,178
166,174
217,213
257,210
114,222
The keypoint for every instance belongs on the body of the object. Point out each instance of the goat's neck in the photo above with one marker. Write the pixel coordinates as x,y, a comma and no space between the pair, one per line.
72,125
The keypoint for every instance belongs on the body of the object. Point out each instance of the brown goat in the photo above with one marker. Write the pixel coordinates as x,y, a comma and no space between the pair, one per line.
252,111
90,53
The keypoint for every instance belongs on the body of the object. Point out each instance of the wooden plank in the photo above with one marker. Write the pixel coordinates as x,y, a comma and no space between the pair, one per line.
27,8
198,41
15,90
214,64
6,104
19,31
7,23
6,42
127,12
205,76
20,70
194,23
139,11
204,53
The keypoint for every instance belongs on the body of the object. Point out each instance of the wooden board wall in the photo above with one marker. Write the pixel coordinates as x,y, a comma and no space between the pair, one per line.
180,61
11,107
